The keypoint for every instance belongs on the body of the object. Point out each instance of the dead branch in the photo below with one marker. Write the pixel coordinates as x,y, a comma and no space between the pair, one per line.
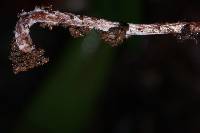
25,55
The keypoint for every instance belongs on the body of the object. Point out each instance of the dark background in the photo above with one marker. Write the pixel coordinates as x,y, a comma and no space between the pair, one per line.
148,84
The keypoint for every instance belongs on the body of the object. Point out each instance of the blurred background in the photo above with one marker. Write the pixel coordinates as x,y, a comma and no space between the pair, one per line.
149,84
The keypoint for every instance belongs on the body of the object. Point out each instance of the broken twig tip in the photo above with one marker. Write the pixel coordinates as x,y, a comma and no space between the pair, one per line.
22,61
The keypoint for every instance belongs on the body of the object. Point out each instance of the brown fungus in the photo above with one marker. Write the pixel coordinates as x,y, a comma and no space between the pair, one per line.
187,34
22,61
114,36
78,31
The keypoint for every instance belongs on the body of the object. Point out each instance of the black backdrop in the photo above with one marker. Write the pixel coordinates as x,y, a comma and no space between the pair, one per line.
152,86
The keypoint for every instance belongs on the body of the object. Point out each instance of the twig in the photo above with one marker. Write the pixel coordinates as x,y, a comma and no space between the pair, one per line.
25,55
